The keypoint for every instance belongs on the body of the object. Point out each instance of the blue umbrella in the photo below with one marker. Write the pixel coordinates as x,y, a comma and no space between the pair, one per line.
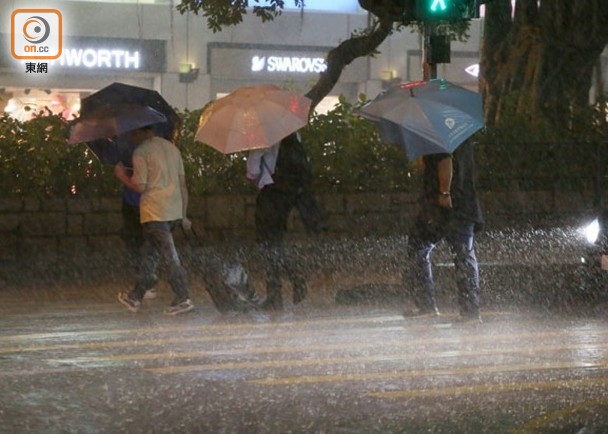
112,121
104,130
113,150
117,94
426,117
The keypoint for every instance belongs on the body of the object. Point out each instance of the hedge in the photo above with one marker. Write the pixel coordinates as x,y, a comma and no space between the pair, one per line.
345,150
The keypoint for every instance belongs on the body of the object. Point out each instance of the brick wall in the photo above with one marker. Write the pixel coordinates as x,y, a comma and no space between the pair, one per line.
72,228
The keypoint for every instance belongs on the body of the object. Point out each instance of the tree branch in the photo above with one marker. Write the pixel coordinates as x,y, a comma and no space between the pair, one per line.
341,56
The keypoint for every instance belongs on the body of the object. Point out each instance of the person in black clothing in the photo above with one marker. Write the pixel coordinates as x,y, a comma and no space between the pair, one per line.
283,186
131,233
450,210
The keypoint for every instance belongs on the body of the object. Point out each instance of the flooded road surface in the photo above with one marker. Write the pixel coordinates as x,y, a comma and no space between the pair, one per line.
86,365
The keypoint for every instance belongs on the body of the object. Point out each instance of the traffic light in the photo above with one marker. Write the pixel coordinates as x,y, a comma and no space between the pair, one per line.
446,10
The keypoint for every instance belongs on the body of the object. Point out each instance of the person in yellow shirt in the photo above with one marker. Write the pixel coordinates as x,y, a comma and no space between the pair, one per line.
158,174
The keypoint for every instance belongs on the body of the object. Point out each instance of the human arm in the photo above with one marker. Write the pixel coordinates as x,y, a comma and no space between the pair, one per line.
122,173
261,165
444,174
254,165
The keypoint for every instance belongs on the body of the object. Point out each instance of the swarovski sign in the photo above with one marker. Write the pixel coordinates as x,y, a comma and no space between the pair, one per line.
290,64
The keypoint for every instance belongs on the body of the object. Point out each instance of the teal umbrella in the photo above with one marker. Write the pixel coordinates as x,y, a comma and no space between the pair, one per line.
426,117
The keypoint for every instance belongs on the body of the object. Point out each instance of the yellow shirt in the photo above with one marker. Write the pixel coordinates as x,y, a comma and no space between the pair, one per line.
158,165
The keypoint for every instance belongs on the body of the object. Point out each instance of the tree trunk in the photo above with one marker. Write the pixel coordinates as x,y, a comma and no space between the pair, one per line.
540,60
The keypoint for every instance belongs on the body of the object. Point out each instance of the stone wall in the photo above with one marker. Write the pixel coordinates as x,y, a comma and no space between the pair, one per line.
72,228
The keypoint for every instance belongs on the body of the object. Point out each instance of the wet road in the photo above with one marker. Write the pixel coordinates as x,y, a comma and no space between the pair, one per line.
69,364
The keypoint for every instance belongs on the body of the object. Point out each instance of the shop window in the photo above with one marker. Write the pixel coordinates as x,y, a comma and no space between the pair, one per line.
23,104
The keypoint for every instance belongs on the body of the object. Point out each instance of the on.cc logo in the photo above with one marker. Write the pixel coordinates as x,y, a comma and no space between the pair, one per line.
36,30
36,34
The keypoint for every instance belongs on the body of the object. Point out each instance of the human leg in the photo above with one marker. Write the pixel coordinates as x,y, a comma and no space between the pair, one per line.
419,274
159,246
131,232
132,235
461,240
273,267
163,240
271,214
146,271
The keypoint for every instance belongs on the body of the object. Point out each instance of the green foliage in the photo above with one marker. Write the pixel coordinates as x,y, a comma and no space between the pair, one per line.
207,170
345,150
35,160
347,154
225,13
529,153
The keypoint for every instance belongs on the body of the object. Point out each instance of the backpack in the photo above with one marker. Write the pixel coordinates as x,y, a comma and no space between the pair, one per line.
293,172
293,175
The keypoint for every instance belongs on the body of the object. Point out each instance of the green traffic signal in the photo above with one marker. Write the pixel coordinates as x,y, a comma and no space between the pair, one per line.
445,10
438,6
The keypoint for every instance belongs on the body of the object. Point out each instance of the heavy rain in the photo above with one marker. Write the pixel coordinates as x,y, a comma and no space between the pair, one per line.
94,338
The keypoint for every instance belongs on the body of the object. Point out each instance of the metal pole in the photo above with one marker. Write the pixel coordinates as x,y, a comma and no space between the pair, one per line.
429,70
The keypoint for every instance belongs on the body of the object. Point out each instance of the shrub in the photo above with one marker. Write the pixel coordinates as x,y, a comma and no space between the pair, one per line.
346,152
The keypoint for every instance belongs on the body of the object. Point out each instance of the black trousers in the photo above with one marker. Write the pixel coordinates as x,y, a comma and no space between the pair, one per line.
272,210
132,233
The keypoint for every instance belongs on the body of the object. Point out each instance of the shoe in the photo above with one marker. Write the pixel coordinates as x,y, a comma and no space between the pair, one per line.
150,294
132,305
433,311
183,307
253,299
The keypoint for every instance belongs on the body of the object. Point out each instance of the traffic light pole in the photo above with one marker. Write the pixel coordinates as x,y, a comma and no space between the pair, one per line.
429,70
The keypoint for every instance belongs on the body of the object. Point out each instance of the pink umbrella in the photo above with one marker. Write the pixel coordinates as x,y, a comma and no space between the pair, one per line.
252,118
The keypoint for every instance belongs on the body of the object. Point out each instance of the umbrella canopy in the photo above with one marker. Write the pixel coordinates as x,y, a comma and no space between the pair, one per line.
427,117
109,122
118,94
113,150
252,118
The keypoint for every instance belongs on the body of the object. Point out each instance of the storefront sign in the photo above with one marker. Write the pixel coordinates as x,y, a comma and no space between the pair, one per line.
83,53
291,64
274,63
100,58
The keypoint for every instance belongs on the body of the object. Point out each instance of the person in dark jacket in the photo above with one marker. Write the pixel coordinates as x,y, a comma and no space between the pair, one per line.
450,210
132,231
282,174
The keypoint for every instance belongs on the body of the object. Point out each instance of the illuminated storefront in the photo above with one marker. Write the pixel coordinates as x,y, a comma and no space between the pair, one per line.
85,63
149,44
297,67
